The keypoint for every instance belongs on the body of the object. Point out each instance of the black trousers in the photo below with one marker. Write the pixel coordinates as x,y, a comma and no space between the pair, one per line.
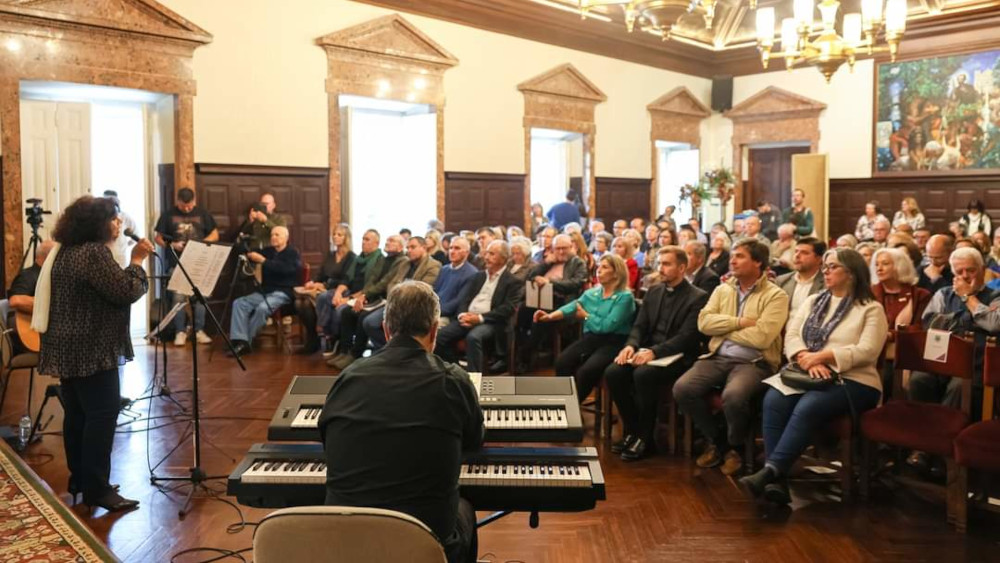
353,338
636,392
463,545
587,358
92,404
305,308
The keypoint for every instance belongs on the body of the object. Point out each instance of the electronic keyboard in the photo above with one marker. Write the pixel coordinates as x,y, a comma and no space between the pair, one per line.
515,409
494,479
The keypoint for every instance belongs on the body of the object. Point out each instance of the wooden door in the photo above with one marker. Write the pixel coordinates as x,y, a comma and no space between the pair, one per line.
473,200
622,198
811,174
770,176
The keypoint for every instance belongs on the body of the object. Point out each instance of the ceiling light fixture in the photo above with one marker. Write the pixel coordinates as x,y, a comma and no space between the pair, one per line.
654,16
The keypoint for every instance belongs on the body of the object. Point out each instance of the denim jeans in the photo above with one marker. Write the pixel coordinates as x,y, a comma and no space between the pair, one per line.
250,313
180,319
373,328
791,421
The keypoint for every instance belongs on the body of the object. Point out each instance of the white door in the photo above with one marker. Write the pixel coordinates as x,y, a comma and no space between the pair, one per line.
73,123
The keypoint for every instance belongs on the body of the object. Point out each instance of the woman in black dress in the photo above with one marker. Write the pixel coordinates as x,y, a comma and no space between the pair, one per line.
82,310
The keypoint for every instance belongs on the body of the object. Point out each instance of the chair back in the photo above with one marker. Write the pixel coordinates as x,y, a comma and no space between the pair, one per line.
305,273
6,344
991,377
910,344
333,534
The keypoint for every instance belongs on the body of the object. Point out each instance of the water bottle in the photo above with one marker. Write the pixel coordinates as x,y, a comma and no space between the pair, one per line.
24,431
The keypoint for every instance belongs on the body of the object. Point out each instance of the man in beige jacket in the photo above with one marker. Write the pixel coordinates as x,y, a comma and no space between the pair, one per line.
744,318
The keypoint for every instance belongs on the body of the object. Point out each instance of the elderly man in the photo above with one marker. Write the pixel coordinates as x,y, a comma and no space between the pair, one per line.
451,282
783,249
805,280
667,324
281,268
486,307
744,318
695,271
965,306
880,232
651,239
329,303
352,335
751,229
395,426
618,227
937,274
418,266
186,221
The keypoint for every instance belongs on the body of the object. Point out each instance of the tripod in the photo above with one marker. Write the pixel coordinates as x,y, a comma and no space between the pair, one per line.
158,389
197,475
33,243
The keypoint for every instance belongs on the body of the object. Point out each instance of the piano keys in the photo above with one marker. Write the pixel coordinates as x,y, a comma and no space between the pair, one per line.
500,479
515,409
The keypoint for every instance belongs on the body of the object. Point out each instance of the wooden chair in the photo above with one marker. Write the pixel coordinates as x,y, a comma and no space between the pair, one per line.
12,361
927,427
977,447
287,331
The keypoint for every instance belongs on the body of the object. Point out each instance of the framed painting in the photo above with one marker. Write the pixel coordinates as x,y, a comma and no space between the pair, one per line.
938,116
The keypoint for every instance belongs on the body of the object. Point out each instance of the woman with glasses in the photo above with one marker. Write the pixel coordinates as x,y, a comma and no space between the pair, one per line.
837,333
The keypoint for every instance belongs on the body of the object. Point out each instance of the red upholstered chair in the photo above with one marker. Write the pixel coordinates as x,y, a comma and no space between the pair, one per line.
978,446
927,427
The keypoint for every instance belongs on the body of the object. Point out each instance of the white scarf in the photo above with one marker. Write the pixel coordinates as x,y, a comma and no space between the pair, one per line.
43,293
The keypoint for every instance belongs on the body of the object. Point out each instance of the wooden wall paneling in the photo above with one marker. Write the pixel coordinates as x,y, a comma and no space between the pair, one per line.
942,199
622,198
473,200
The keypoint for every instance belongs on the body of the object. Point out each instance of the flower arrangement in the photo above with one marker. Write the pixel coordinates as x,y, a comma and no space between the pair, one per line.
718,183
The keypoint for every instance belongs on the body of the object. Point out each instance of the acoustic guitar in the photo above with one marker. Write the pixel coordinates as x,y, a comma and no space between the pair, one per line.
29,338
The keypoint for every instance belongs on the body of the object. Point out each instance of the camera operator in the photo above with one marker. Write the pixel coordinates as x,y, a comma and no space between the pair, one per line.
256,229
185,222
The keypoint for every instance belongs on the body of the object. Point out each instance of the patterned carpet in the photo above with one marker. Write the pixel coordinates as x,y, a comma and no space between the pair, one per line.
34,524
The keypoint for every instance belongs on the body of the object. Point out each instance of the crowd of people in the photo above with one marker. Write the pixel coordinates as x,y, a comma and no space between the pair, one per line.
657,305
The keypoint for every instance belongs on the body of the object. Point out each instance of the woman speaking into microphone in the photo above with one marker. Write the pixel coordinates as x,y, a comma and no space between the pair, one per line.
82,312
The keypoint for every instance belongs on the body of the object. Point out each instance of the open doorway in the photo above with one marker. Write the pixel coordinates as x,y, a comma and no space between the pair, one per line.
80,139
769,173
391,157
557,164
677,165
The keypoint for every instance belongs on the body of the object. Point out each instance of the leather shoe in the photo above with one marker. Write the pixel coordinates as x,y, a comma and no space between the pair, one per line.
778,493
732,463
619,447
753,485
113,502
499,366
240,347
638,450
709,458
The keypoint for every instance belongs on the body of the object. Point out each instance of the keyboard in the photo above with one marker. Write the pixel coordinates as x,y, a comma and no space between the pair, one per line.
515,409
494,479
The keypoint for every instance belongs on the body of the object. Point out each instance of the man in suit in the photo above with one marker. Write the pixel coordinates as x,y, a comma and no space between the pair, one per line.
486,307
805,280
418,266
667,324
695,271
567,273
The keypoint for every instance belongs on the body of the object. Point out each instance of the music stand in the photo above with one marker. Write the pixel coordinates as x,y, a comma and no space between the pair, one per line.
197,475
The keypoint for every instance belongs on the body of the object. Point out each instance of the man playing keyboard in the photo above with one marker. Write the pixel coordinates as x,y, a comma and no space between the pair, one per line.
395,425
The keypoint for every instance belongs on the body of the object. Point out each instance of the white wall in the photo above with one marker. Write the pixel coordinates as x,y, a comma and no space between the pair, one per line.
845,125
261,96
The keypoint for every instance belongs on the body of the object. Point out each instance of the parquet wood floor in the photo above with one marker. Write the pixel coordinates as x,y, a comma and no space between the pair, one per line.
660,509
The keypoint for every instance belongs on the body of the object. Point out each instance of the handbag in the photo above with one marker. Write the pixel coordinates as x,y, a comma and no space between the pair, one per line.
797,378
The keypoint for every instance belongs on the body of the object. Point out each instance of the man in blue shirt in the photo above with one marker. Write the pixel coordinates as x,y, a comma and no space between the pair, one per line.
566,212
451,282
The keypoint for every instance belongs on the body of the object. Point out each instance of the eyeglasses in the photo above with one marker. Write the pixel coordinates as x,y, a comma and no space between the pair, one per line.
563,247
831,267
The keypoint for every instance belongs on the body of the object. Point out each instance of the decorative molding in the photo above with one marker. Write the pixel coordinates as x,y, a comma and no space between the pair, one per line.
681,101
675,116
774,103
565,81
258,170
390,36
387,57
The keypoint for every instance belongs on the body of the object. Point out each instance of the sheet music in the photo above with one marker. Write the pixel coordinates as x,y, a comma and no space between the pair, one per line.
538,297
167,319
204,263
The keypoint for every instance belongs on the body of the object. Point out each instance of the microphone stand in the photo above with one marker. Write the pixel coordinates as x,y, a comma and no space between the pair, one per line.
164,391
197,475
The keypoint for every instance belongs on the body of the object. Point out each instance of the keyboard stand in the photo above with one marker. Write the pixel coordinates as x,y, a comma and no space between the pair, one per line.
532,518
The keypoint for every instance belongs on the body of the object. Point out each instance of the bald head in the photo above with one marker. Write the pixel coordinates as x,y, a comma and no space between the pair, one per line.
279,237
939,248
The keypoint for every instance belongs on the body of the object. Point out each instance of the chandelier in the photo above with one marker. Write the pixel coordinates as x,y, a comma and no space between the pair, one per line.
829,51
656,16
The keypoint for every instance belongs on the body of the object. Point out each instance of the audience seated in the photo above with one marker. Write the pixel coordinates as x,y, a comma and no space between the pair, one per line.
418,266
606,312
976,219
434,247
366,264
783,249
744,318
937,273
336,271
806,279
538,219
799,215
865,230
770,219
838,331
718,258
520,258
652,236
281,270
544,245
695,270
453,278
667,324
618,227
624,248
487,305
902,301
751,230
880,232
353,339
909,214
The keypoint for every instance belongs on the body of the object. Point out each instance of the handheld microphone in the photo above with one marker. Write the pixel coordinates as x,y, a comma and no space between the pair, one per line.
132,235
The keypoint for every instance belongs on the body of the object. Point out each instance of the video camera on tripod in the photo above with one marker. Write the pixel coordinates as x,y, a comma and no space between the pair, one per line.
34,213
